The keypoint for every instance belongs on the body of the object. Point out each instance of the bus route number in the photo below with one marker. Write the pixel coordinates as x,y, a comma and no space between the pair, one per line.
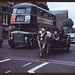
20,18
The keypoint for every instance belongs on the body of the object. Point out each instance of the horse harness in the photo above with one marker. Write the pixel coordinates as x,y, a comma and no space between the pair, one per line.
40,38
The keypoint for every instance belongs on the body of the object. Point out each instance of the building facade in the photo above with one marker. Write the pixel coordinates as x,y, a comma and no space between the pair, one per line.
61,16
5,12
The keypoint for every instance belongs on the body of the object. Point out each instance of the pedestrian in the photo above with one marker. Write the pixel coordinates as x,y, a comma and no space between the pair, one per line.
61,32
10,28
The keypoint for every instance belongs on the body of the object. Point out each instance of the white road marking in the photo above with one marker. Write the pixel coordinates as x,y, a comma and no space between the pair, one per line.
37,67
70,63
4,60
72,44
8,71
27,64
63,63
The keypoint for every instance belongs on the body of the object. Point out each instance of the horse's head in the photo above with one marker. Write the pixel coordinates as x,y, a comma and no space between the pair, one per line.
41,33
44,33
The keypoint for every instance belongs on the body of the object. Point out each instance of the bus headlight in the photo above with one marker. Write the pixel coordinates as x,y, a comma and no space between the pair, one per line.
11,36
25,39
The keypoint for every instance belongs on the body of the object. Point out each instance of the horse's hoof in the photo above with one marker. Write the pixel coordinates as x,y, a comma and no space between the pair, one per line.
47,52
41,55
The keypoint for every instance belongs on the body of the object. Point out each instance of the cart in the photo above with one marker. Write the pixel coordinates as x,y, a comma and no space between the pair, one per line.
62,43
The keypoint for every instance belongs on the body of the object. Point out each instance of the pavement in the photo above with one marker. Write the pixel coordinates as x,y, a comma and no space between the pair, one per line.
5,41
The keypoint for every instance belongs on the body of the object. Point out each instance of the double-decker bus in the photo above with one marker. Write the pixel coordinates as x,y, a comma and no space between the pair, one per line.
27,19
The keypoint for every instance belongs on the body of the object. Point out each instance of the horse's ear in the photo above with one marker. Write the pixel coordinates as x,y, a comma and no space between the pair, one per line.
43,29
40,29
39,33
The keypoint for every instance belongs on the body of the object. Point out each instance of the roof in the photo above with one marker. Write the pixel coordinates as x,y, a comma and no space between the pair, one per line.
60,12
22,5
29,5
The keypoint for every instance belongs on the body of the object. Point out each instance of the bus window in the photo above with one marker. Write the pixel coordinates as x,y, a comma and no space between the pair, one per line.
54,17
14,10
28,10
50,17
21,11
34,11
39,12
44,15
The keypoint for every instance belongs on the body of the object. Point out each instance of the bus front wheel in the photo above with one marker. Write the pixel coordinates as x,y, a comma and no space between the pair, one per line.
1,42
12,46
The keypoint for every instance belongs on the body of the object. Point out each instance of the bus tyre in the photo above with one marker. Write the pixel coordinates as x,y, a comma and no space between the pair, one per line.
41,54
1,42
12,46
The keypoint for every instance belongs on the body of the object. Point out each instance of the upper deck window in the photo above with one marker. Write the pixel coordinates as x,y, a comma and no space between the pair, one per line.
39,12
28,10
34,11
21,11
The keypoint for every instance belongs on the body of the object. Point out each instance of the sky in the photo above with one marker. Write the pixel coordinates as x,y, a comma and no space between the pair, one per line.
70,6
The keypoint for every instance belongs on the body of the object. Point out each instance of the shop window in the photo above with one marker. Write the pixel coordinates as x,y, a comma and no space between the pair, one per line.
5,19
5,15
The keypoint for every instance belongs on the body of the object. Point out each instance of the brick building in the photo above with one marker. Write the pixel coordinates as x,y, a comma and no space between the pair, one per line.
61,16
5,13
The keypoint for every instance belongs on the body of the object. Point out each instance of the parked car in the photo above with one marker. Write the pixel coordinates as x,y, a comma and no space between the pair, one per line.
72,37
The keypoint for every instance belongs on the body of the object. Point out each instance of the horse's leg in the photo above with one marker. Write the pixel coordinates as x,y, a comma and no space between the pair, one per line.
39,43
47,51
48,44
43,47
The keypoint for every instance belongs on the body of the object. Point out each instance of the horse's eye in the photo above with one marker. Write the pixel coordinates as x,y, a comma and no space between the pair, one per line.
39,33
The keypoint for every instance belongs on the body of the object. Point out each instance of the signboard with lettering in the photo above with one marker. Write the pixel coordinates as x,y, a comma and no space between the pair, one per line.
44,21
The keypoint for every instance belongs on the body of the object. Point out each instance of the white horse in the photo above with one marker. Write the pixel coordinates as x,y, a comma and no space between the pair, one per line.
43,39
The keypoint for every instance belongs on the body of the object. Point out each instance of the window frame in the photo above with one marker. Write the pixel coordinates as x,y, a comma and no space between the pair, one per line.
5,18
28,10
15,11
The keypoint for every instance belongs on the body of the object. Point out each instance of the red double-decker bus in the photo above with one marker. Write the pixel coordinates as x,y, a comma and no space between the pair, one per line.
27,19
